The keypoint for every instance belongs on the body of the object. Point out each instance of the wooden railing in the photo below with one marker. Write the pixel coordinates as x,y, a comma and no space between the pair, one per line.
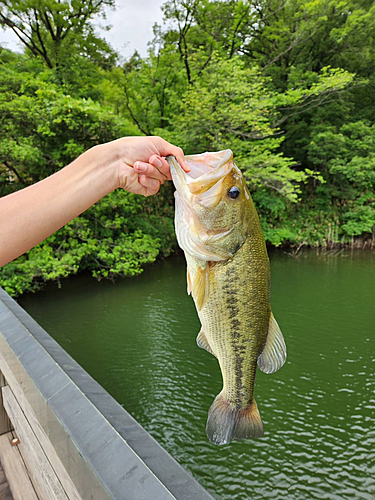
73,440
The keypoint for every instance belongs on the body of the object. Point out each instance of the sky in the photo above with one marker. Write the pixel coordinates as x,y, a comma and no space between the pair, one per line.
131,22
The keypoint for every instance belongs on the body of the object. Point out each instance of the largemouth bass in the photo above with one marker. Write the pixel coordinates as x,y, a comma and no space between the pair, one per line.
228,275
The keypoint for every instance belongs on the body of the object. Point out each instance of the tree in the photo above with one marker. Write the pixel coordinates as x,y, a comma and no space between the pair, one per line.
231,106
153,88
43,128
203,27
271,79
57,30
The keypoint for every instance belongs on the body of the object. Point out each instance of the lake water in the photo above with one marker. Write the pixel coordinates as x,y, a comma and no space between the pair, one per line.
137,339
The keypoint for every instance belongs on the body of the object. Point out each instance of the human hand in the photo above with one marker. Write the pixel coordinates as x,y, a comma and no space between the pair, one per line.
141,165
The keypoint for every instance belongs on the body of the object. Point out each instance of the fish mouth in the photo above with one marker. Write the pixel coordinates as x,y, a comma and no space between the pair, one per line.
202,187
207,169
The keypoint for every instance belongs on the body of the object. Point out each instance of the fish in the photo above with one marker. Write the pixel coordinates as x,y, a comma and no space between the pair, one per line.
228,275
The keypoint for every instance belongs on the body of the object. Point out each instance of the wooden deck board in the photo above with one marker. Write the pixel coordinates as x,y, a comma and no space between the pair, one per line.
42,474
54,471
14,470
5,493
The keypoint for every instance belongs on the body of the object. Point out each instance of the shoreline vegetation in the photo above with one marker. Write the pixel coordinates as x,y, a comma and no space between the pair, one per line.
288,86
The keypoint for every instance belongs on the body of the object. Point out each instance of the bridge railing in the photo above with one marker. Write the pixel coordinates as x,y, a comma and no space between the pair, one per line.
76,441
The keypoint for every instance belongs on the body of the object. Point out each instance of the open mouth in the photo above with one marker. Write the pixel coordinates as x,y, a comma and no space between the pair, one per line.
201,188
207,162
206,170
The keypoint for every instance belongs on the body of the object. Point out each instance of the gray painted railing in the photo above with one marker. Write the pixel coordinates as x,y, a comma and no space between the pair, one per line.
97,449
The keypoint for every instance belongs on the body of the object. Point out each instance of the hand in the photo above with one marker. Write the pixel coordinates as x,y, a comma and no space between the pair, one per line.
141,165
30,215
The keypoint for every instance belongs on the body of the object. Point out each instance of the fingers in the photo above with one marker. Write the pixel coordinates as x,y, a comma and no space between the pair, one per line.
179,154
151,186
152,171
147,167
162,165
165,149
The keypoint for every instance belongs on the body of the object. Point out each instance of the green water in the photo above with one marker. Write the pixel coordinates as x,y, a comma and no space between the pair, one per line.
137,338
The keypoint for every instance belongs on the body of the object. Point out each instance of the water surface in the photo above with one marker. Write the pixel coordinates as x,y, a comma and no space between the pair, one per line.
137,339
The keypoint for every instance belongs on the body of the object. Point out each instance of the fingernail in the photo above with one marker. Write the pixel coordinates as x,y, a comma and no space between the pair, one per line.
158,163
140,167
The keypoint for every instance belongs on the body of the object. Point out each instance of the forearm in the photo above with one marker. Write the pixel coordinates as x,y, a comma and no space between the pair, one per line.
136,164
29,216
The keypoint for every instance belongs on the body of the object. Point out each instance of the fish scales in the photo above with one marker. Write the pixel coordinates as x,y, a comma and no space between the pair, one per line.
236,316
229,276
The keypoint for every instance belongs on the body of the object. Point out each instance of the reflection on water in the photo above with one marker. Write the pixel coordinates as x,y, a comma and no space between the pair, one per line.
137,338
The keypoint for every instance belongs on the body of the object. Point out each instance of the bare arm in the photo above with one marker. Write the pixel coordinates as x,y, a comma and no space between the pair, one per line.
32,214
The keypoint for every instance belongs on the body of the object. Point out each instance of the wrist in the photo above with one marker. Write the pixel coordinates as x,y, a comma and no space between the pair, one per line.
103,160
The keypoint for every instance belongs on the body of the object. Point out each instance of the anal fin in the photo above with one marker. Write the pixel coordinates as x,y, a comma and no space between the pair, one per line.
273,355
203,342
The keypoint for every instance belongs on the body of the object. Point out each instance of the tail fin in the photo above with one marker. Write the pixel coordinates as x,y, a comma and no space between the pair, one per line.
226,422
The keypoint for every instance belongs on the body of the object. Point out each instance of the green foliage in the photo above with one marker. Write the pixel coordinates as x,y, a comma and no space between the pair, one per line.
44,129
230,105
360,218
288,86
151,89
58,32
348,154
113,238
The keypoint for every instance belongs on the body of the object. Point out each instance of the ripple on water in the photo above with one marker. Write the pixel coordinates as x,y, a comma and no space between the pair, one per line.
138,340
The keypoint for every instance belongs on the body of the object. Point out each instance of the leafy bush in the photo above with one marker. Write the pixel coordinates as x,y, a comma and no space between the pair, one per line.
115,237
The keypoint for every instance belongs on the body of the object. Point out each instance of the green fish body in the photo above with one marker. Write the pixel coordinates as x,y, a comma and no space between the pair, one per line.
228,274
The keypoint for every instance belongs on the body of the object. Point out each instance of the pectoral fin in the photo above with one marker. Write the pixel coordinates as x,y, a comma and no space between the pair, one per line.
203,342
188,279
273,355
201,286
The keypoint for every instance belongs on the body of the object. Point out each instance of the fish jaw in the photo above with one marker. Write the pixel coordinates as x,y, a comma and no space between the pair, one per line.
215,224
206,170
180,180
217,166
192,235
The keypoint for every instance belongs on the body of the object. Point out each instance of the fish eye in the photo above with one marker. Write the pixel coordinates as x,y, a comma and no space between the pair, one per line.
233,192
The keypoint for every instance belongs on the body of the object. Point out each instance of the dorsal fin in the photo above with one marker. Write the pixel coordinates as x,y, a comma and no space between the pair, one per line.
203,342
273,355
